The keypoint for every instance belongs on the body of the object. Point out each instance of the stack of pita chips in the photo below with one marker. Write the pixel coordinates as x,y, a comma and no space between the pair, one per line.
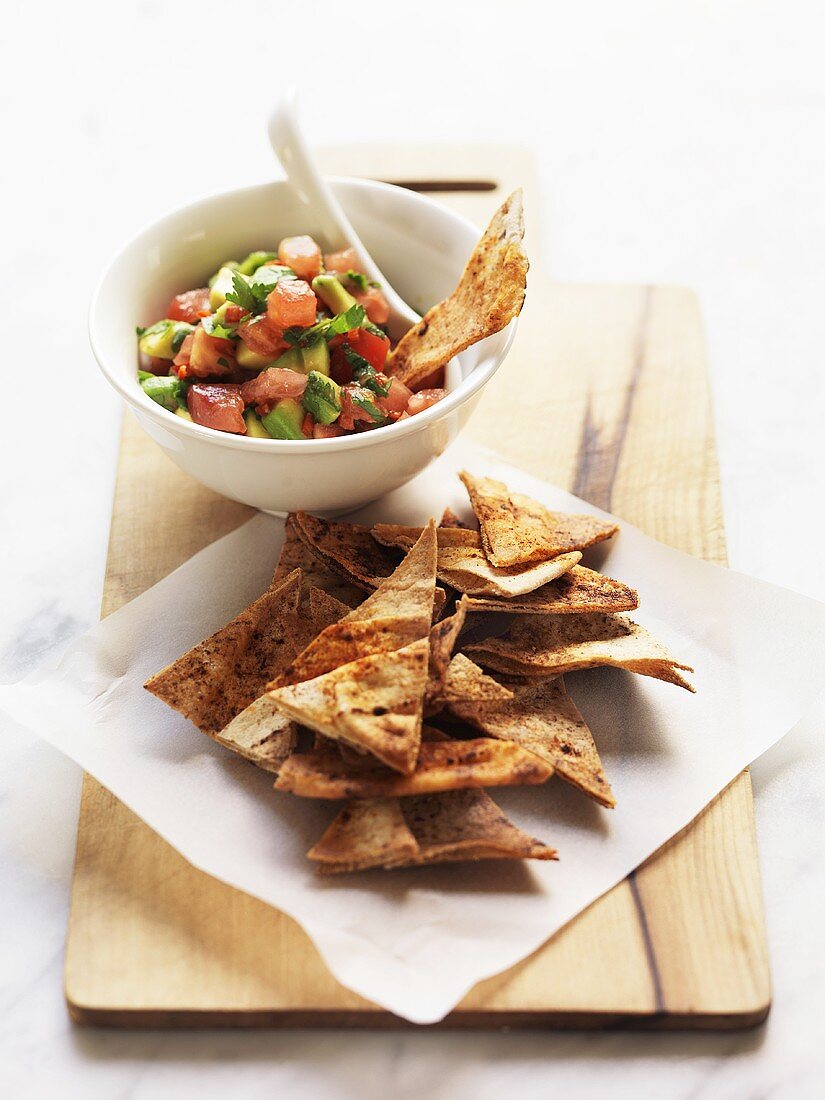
446,680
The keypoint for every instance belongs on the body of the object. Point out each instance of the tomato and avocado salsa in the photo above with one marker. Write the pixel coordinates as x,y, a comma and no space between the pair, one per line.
284,345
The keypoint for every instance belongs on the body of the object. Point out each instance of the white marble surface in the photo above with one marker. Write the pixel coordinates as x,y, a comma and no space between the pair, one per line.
677,142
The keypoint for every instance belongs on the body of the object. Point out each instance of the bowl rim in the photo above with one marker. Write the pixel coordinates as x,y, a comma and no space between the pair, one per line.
142,402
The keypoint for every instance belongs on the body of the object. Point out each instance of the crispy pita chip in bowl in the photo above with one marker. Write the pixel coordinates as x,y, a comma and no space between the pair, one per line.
550,645
515,529
437,828
489,295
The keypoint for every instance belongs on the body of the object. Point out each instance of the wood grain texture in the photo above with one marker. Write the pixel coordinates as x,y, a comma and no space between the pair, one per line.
619,374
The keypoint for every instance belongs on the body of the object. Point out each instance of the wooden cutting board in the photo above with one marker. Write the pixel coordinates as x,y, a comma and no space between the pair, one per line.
606,393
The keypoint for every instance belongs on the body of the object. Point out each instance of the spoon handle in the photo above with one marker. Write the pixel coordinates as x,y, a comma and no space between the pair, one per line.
316,195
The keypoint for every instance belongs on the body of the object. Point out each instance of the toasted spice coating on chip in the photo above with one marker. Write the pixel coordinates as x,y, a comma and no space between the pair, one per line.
462,564
346,548
374,704
436,828
441,766
575,592
398,613
295,554
262,733
515,529
465,682
222,675
443,637
542,718
549,645
489,295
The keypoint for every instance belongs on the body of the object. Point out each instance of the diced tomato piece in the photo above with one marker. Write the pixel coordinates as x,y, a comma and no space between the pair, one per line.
219,407
233,314
424,399
262,337
190,306
371,347
339,262
302,254
375,304
181,360
210,355
351,413
271,385
308,425
327,431
396,400
292,302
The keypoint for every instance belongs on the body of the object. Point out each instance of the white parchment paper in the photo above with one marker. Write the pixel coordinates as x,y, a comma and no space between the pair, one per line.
415,941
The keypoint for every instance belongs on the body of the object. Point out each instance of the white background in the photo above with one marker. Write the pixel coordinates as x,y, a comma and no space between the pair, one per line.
676,142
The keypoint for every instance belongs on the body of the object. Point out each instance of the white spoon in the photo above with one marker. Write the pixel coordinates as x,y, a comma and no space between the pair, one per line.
316,195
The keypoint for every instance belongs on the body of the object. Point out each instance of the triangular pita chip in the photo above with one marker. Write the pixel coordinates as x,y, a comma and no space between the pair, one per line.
295,554
345,548
325,609
542,718
374,704
441,766
466,683
575,592
463,566
443,637
436,828
450,519
549,645
515,529
262,733
367,834
398,613
489,295
222,675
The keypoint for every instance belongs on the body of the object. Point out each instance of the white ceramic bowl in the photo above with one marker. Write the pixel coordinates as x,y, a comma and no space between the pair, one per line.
421,246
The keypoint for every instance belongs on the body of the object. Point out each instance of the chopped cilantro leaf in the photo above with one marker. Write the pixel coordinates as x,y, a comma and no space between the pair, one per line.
359,279
140,330
242,295
363,399
326,329
365,373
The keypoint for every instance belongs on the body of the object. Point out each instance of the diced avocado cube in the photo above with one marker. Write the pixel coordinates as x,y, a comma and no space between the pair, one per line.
163,339
254,426
231,264
304,360
332,293
255,260
322,398
316,358
184,414
221,287
165,391
285,420
251,360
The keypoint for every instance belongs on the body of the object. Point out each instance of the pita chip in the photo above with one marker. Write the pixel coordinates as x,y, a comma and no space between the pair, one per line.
450,519
542,718
295,554
515,529
345,548
222,675
261,733
466,683
489,295
441,766
443,637
436,828
397,614
575,592
550,645
463,565
374,704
